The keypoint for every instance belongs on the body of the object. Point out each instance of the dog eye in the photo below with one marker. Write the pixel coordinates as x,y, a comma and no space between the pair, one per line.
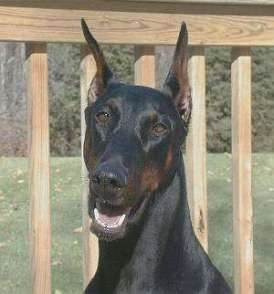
102,117
159,129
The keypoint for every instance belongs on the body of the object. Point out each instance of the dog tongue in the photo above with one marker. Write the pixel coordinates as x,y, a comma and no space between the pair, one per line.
108,221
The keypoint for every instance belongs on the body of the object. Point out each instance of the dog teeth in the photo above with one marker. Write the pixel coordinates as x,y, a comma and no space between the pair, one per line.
121,220
108,222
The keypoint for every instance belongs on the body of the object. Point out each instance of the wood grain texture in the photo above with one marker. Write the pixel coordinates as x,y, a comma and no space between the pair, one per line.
241,151
144,68
125,5
90,242
231,2
126,22
196,147
38,128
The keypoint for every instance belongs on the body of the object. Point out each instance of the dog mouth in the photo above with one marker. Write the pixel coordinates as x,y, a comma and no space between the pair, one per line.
109,216
110,222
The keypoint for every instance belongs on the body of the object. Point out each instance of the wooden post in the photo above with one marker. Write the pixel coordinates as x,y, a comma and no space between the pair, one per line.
196,147
145,66
241,154
38,128
90,254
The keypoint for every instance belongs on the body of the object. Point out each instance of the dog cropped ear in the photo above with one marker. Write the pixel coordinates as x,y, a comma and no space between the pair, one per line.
176,85
103,76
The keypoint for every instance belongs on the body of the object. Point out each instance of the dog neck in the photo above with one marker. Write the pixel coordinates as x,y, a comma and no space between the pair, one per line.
130,265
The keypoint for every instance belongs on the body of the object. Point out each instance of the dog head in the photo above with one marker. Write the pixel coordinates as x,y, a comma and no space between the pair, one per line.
133,139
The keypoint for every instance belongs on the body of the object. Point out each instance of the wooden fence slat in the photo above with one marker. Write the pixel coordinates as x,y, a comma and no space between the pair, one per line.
144,69
90,254
241,154
38,128
196,147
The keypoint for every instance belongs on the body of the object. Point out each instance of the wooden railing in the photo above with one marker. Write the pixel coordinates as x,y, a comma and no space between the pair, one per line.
241,25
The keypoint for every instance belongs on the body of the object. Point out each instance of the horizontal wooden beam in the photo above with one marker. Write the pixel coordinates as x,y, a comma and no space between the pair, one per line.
121,22
86,4
231,2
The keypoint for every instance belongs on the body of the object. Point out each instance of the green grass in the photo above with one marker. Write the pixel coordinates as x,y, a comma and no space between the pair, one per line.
66,217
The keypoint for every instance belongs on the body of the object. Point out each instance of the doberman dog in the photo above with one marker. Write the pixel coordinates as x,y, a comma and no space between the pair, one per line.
137,201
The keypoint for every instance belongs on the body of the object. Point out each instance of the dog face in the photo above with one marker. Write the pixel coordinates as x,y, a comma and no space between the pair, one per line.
132,142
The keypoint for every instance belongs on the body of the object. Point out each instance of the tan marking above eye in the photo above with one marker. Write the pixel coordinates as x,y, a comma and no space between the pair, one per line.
102,117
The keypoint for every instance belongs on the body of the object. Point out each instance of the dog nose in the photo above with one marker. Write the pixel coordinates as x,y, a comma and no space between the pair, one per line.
107,180
107,184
